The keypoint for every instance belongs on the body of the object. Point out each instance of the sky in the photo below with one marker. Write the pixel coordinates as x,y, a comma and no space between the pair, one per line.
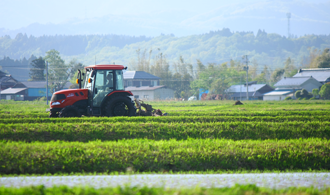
20,13
16,14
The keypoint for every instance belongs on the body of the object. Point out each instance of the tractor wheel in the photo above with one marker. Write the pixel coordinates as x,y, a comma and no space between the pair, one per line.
120,106
69,111
53,114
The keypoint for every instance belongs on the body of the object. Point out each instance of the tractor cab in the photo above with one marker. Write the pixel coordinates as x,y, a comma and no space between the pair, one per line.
102,94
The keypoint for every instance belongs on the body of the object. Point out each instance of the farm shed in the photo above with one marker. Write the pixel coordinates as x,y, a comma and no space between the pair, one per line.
322,75
277,95
255,91
14,94
151,93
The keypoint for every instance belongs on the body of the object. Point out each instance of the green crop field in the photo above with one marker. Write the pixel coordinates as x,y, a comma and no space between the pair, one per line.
196,137
235,190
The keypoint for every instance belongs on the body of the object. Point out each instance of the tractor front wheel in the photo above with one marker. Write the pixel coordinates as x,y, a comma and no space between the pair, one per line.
120,106
69,111
53,114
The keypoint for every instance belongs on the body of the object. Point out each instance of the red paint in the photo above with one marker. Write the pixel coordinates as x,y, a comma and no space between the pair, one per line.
106,67
71,97
130,93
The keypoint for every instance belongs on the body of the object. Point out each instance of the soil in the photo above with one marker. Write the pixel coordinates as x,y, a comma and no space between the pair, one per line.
238,103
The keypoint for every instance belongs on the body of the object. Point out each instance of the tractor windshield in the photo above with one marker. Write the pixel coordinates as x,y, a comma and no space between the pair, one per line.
119,80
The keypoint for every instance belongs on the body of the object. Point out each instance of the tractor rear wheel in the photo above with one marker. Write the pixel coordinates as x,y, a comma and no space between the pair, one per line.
120,105
69,111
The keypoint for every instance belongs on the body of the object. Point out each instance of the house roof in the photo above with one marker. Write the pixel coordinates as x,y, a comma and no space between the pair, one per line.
293,81
7,78
320,74
242,88
35,84
139,75
11,91
144,88
278,93
41,84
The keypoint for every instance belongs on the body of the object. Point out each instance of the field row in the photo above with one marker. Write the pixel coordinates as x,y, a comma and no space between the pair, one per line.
303,113
235,190
170,119
85,132
147,155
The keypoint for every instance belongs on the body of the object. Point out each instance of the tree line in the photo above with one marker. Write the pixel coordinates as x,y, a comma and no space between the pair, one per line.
188,80
181,76
214,47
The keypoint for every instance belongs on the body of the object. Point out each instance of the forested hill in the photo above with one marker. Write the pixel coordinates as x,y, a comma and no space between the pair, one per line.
213,47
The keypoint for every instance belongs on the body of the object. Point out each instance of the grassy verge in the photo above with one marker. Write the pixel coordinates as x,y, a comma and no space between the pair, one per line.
237,189
148,155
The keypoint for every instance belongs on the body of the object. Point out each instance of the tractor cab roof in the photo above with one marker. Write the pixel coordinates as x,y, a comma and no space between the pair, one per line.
106,67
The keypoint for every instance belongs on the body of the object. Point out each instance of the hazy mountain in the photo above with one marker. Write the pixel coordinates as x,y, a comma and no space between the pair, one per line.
306,18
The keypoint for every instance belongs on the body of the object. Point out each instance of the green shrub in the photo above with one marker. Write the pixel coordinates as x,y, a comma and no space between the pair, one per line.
325,91
288,98
298,94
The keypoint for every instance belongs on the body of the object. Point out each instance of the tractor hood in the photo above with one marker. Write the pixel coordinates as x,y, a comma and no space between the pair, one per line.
67,97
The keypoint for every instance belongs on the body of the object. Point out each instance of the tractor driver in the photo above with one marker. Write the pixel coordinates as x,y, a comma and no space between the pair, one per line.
107,87
109,84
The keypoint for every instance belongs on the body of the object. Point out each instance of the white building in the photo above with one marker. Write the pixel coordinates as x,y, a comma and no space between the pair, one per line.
145,86
277,95
151,93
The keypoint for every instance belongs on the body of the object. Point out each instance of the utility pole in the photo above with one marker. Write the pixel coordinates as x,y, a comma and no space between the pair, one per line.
240,90
288,15
47,82
246,68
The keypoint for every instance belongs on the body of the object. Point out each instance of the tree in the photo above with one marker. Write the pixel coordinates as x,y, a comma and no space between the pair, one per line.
289,68
323,61
319,59
315,92
217,78
325,91
58,72
74,66
277,75
37,72
298,94
305,94
182,77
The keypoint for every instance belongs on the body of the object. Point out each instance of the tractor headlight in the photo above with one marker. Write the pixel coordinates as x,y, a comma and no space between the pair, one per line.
55,103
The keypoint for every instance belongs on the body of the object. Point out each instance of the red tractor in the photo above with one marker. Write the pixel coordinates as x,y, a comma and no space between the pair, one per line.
103,94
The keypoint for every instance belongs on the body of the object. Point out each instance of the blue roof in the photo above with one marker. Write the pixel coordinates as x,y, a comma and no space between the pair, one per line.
139,75
251,88
292,81
320,74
